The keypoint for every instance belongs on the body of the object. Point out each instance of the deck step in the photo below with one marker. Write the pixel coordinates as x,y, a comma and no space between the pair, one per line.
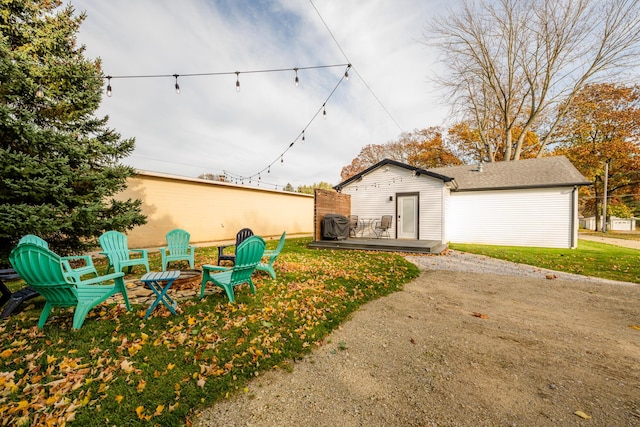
386,245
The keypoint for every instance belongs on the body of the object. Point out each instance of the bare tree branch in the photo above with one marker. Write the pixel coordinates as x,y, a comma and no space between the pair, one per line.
513,67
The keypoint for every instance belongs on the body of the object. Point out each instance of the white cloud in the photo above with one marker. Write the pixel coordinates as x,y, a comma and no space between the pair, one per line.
209,127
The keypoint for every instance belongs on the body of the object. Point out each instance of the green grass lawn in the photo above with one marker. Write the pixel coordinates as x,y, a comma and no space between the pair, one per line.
589,259
120,370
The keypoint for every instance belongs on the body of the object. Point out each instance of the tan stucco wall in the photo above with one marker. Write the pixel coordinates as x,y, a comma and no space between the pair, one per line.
213,211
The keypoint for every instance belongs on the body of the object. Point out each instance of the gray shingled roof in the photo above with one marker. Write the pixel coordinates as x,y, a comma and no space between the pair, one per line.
528,173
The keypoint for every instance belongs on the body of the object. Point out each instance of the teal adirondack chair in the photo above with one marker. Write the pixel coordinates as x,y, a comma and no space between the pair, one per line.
248,255
114,246
177,249
75,273
42,270
272,255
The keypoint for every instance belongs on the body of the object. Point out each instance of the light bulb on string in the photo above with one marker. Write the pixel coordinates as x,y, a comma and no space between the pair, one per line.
108,85
346,73
237,81
269,169
281,160
297,80
324,112
303,138
177,85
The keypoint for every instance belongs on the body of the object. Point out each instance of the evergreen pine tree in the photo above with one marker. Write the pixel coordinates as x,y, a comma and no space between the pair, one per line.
59,163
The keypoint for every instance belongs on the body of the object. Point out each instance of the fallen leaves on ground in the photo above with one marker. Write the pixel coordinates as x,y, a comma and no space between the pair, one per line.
582,415
46,381
480,315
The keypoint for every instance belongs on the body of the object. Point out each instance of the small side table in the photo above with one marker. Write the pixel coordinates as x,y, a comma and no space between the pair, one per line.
154,280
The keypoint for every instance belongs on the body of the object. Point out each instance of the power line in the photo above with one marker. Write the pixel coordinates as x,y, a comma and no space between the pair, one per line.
355,69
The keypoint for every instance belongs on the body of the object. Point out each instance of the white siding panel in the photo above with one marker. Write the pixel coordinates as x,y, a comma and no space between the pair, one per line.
432,210
539,217
370,198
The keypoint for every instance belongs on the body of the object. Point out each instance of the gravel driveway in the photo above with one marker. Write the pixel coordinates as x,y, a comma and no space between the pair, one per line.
470,263
474,342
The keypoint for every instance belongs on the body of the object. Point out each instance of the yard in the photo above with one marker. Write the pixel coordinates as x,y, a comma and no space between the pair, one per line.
120,370
413,355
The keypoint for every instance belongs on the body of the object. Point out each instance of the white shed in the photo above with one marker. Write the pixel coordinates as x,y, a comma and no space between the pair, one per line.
615,223
530,202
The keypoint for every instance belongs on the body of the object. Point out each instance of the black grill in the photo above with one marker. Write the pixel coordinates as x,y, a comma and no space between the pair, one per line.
335,227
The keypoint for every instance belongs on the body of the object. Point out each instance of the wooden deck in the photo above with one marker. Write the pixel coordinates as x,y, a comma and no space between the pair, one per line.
385,245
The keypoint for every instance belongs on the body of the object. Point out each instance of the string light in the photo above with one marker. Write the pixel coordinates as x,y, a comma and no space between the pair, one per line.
302,135
177,85
237,73
381,183
40,91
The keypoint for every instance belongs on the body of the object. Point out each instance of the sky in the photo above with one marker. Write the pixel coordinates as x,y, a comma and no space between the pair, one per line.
210,128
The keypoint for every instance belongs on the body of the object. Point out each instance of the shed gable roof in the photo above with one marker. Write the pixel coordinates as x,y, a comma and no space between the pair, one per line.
385,162
556,171
527,173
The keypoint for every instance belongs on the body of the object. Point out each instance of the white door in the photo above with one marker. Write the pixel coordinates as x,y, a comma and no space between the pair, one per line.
408,217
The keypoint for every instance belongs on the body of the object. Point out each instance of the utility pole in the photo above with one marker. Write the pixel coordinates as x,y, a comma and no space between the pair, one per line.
604,202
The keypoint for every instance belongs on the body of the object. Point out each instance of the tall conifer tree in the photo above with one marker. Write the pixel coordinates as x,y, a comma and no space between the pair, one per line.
59,163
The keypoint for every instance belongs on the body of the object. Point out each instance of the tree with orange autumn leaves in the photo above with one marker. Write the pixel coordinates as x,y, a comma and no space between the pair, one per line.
468,143
425,148
603,124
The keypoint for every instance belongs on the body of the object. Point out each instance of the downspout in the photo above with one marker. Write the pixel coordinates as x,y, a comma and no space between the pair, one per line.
574,214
